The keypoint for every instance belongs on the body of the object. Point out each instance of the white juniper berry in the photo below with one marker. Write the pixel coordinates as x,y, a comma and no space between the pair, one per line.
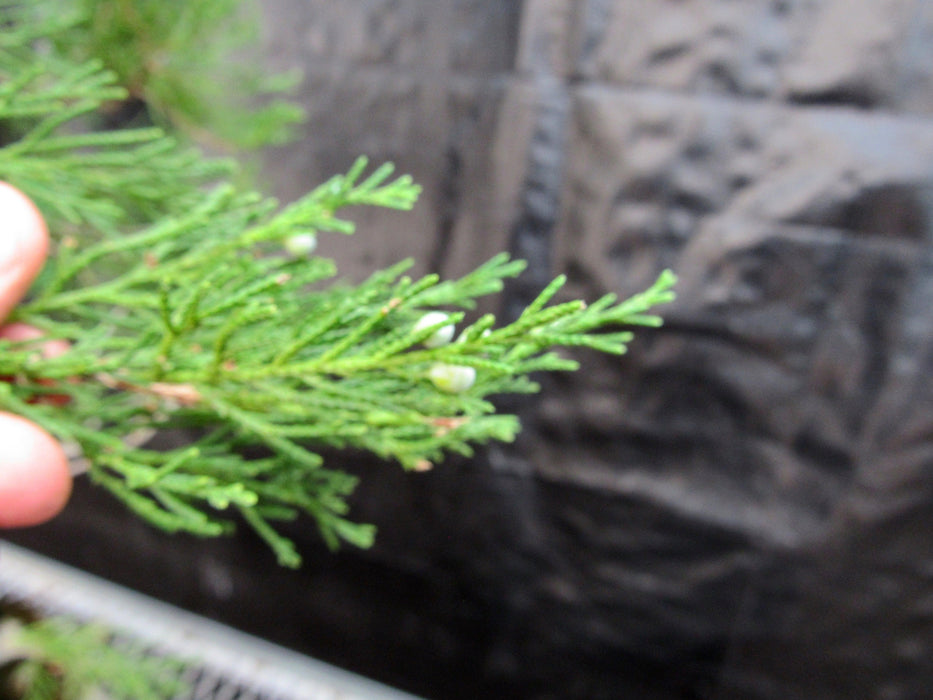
301,245
442,335
454,379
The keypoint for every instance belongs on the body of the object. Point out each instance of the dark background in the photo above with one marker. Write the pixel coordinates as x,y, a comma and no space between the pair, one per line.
739,508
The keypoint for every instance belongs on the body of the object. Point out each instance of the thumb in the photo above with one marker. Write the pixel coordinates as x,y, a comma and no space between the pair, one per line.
23,246
34,478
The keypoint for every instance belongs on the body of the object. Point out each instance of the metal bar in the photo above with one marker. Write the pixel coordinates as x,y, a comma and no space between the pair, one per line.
240,659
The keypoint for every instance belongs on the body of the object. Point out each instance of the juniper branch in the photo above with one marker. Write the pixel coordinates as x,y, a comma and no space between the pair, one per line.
61,658
183,309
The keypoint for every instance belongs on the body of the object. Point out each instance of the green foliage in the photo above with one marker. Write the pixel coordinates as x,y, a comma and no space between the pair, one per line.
90,183
192,64
59,659
183,310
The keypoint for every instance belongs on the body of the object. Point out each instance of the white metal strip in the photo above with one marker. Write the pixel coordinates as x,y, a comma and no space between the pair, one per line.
245,660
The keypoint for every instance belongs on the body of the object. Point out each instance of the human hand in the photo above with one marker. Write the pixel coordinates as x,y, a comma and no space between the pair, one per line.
34,478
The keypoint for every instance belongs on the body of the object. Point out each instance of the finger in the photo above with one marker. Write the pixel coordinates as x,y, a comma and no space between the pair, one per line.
18,332
34,479
24,243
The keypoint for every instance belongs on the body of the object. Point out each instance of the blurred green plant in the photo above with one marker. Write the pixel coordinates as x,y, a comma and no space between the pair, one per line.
57,658
192,66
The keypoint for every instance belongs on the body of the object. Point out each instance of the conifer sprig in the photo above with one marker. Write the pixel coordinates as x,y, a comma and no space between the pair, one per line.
60,658
185,307
92,182
213,327
189,66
